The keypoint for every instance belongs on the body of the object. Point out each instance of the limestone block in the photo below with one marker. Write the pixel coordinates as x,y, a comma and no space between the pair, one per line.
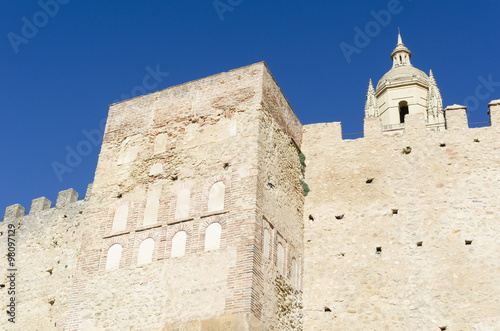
415,124
494,112
372,127
14,211
456,117
66,197
40,204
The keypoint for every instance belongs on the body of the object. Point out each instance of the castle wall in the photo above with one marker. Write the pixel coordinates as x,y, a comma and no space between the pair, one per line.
432,213
46,244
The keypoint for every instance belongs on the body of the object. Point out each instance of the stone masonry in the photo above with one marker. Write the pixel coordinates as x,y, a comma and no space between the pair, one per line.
199,219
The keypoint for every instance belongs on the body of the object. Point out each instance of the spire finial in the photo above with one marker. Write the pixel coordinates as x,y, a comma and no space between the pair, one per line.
400,40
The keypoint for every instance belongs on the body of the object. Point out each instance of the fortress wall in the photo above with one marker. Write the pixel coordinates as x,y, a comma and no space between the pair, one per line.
433,214
47,241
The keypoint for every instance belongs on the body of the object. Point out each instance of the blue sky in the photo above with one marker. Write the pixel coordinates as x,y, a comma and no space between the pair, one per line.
64,62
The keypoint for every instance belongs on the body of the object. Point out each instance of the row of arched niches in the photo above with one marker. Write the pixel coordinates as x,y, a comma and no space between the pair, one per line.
149,231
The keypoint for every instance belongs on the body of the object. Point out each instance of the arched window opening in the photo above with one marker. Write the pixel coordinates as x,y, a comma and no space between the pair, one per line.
267,243
216,197
281,258
400,60
114,257
120,219
212,237
179,244
403,110
183,201
146,251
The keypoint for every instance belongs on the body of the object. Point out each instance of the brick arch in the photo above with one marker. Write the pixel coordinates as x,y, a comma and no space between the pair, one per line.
155,235
179,227
215,179
186,185
115,240
210,220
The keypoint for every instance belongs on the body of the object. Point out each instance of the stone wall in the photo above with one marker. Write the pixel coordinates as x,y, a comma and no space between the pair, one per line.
401,233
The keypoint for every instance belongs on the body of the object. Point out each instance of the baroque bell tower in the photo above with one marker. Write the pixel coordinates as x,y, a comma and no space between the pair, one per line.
403,90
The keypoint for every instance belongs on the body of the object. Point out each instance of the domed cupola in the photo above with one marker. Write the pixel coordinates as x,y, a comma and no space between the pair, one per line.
403,90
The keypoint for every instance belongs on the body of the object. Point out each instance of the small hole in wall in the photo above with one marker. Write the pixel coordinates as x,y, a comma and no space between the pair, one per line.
443,327
226,166
52,301
327,310
173,177
2,285
442,145
271,185
378,250
339,217
311,217
119,196
394,212
468,242
369,180
419,244
476,140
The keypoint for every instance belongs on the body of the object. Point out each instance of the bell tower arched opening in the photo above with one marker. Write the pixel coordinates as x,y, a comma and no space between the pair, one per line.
403,110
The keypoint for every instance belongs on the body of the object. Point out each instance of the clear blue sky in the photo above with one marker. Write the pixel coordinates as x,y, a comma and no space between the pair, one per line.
61,70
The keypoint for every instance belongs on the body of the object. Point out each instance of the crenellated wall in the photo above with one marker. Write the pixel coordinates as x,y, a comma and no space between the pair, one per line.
198,219
401,233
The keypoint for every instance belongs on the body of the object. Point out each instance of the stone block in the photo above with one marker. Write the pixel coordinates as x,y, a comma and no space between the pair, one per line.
456,117
415,124
494,112
14,211
66,197
372,127
40,204
89,191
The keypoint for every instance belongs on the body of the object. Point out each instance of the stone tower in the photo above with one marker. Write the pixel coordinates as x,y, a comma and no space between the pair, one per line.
403,90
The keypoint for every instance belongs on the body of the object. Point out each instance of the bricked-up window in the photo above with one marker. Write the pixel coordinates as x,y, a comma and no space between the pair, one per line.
179,244
114,257
216,197
281,258
212,237
146,249
267,243
152,206
183,201
120,219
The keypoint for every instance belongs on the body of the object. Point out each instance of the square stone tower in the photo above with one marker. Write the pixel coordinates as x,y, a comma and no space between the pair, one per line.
194,221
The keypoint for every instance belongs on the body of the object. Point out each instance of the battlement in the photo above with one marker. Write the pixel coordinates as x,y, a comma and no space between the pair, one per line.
456,121
64,199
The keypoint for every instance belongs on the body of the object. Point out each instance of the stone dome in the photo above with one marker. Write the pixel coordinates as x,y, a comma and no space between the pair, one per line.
403,74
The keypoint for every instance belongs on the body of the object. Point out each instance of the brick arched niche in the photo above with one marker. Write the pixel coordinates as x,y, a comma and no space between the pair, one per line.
280,259
294,272
179,244
152,205
267,243
216,196
114,257
212,236
120,218
183,204
146,249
